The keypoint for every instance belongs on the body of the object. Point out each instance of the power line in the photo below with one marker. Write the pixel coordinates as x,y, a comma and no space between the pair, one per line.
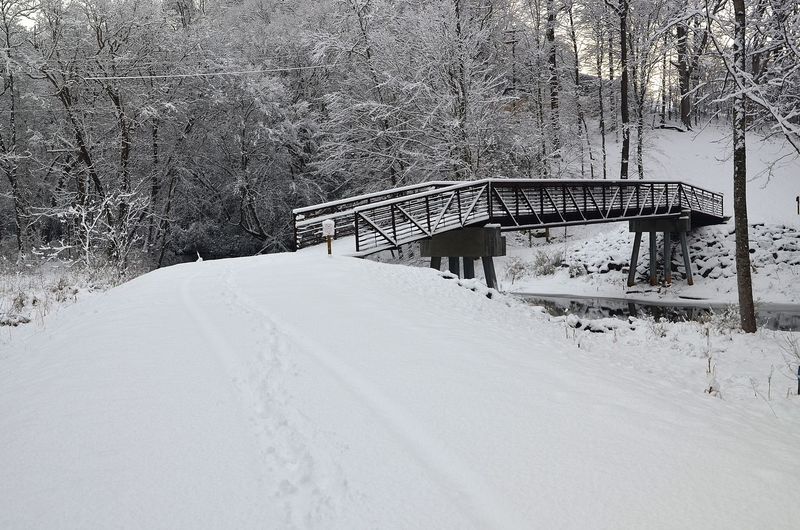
205,74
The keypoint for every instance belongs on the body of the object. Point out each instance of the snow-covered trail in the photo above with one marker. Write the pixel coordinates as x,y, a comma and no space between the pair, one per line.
299,391
122,413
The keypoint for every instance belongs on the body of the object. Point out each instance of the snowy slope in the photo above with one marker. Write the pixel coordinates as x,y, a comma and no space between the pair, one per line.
702,158
298,391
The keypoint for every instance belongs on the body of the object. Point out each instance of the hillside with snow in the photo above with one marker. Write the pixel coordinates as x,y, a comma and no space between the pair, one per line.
600,255
298,391
167,363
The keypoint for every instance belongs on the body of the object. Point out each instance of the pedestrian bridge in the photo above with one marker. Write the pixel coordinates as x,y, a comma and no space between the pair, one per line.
387,219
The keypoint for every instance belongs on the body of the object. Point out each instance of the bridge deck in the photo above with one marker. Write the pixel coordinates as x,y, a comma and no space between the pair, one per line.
385,220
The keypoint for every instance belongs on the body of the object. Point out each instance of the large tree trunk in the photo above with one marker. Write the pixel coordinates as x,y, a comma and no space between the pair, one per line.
663,115
612,97
9,147
544,162
640,90
550,35
580,121
623,53
684,74
601,110
744,281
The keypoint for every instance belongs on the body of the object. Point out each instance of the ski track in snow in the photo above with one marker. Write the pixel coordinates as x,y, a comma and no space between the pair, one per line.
300,392
300,488
454,475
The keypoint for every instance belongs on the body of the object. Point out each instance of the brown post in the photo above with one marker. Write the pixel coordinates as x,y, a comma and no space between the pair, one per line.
667,260
469,267
653,259
637,241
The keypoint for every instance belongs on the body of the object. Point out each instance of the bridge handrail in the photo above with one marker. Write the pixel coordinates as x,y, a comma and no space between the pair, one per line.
532,183
409,213
422,194
367,196
411,216
308,219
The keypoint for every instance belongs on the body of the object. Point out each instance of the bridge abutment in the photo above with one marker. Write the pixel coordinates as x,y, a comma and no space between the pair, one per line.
679,225
465,245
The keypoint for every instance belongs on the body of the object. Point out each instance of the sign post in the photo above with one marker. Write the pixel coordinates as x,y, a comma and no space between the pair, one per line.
328,231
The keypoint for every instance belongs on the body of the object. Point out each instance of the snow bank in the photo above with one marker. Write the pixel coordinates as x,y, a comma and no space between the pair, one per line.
602,261
297,391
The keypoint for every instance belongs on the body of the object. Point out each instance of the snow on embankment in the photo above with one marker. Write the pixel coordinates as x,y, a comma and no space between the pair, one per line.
705,158
301,391
599,265
702,158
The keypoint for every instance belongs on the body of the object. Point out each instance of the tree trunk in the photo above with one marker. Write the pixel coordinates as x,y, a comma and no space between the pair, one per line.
684,78
744,281
663,115
601,110
544,162
612,97
550,35
623,53
579,110
155,187
11,150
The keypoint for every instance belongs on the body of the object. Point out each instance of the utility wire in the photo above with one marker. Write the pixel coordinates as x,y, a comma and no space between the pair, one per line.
204,74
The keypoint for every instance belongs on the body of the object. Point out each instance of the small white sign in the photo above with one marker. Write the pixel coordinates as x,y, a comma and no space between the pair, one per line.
328,228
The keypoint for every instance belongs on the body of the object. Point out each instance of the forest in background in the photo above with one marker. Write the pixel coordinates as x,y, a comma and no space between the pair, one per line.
137,132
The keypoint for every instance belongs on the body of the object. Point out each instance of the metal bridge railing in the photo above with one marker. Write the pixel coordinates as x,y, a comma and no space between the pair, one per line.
386,221
308,220
393,222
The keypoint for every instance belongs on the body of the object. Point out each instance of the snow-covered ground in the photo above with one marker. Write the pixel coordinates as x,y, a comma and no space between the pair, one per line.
30,291
298,391
595,263
301,391
701,158
704,158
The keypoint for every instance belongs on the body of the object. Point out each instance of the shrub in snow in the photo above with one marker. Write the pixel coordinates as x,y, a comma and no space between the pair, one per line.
727,319
31,290
791,348
657,327
576,269
545,264
515,270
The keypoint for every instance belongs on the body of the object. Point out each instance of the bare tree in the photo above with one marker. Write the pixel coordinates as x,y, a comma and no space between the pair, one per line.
12,151
553,82
744,281
621,10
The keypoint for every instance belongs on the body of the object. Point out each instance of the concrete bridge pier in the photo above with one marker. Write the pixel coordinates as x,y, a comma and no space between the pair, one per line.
680,225
452,266
463,247
469,267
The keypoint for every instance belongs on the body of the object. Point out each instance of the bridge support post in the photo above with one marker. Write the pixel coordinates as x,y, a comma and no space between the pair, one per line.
637,242
488,272
452,266
687,262
436,263
680,225
467,244
653,259
667,255
468,267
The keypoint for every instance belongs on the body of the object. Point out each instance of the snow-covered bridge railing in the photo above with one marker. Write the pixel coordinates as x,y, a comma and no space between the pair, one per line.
386,221
308,220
